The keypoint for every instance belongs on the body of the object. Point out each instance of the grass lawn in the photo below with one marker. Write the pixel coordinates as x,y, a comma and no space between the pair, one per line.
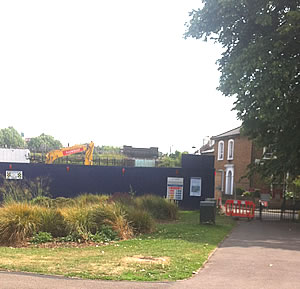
175,251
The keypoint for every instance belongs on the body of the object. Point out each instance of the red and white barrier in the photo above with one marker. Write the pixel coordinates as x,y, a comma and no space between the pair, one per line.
238,208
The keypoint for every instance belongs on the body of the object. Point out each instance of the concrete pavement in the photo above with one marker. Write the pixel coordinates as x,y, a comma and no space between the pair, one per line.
260,255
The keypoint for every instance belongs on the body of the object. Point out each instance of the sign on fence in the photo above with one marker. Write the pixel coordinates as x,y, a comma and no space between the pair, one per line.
175,188
195,187
14,175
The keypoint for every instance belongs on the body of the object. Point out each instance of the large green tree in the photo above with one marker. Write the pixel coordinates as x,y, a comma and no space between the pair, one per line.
10,138
260,66
44,143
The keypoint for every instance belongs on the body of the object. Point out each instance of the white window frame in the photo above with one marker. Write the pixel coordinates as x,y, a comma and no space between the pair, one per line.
220,152
229,189
230,145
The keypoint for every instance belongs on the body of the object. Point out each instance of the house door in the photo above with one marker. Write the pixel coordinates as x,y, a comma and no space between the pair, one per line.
229,180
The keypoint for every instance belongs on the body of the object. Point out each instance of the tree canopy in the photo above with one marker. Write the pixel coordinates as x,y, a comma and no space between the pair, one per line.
44,143
260,66
10,138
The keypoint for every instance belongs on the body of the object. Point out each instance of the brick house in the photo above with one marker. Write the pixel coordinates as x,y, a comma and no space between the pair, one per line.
233,153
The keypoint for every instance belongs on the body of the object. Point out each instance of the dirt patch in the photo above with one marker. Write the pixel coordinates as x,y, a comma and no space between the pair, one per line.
146,260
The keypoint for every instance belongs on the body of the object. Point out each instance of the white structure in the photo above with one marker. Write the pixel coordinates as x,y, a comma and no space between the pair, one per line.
14,155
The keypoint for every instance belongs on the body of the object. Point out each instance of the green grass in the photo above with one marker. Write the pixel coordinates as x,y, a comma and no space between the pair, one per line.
185,243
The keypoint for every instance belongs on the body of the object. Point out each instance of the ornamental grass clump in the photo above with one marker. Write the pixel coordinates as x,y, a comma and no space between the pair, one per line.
140,220
78,221
18,221
90,199
52,221
113,215
158,207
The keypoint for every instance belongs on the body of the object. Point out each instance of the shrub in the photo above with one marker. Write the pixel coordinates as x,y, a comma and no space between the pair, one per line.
141,221
106,234
62,202
158,207
18,221
53,222
113,215
90,199
42,201
78,220
122,198
41,237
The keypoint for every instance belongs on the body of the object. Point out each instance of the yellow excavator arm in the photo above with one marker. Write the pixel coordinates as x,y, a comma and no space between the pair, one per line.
88,149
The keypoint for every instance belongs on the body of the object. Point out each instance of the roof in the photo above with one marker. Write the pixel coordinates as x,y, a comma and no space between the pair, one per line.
235,131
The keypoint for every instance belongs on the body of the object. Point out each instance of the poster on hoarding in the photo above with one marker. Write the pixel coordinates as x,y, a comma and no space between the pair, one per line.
195,187
14,175
175,189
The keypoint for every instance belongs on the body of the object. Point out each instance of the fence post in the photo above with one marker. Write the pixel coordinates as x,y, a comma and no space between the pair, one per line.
260,211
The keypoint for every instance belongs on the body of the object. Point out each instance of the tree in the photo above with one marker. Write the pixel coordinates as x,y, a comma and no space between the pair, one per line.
10,138
260,65
44,143
171,160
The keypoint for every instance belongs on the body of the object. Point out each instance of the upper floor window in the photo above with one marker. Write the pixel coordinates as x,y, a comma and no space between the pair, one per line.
230,149
221,150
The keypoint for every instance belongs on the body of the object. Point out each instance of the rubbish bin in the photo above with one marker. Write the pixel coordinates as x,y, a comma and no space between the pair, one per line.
208,212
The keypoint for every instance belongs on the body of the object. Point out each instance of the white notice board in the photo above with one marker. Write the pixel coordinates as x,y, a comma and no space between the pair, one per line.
175,188
195,187
14,175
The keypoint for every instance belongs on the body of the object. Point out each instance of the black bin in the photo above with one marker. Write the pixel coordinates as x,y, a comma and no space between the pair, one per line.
208,212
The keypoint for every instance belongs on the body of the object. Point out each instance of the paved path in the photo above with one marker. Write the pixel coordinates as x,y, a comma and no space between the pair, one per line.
256,255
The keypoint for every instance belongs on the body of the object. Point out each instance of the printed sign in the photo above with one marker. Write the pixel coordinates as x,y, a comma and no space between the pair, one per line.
175,188
195,187
14,175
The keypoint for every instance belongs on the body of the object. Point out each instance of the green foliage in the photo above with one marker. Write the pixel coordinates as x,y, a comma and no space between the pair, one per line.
23,190
111,214
140,220
62,202
171,160
78,221
42,201
10,138
106,234
44,143
41,237
108,150
260,67
158,207
90,199
18,221
52,221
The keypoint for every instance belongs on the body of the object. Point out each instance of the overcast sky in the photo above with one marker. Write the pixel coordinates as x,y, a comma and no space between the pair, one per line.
116,72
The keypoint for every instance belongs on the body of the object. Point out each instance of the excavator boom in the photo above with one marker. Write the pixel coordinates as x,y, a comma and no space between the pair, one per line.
55,154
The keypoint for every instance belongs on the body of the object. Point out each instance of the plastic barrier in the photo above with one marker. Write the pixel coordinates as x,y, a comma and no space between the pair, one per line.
237,208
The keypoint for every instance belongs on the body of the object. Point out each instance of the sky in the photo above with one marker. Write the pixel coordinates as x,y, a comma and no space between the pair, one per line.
113,72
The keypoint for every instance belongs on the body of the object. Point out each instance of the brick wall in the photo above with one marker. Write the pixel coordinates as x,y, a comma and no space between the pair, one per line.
241,159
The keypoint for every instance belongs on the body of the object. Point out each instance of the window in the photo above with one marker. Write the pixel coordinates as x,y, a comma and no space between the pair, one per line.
221,150
229,180
230,149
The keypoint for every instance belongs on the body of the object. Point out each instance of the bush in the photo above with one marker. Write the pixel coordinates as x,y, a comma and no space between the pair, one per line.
42,201
122,198
78,220
18,221
41,237
62,202
90,199
140,220
106,234
53,222
158,207
113,215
